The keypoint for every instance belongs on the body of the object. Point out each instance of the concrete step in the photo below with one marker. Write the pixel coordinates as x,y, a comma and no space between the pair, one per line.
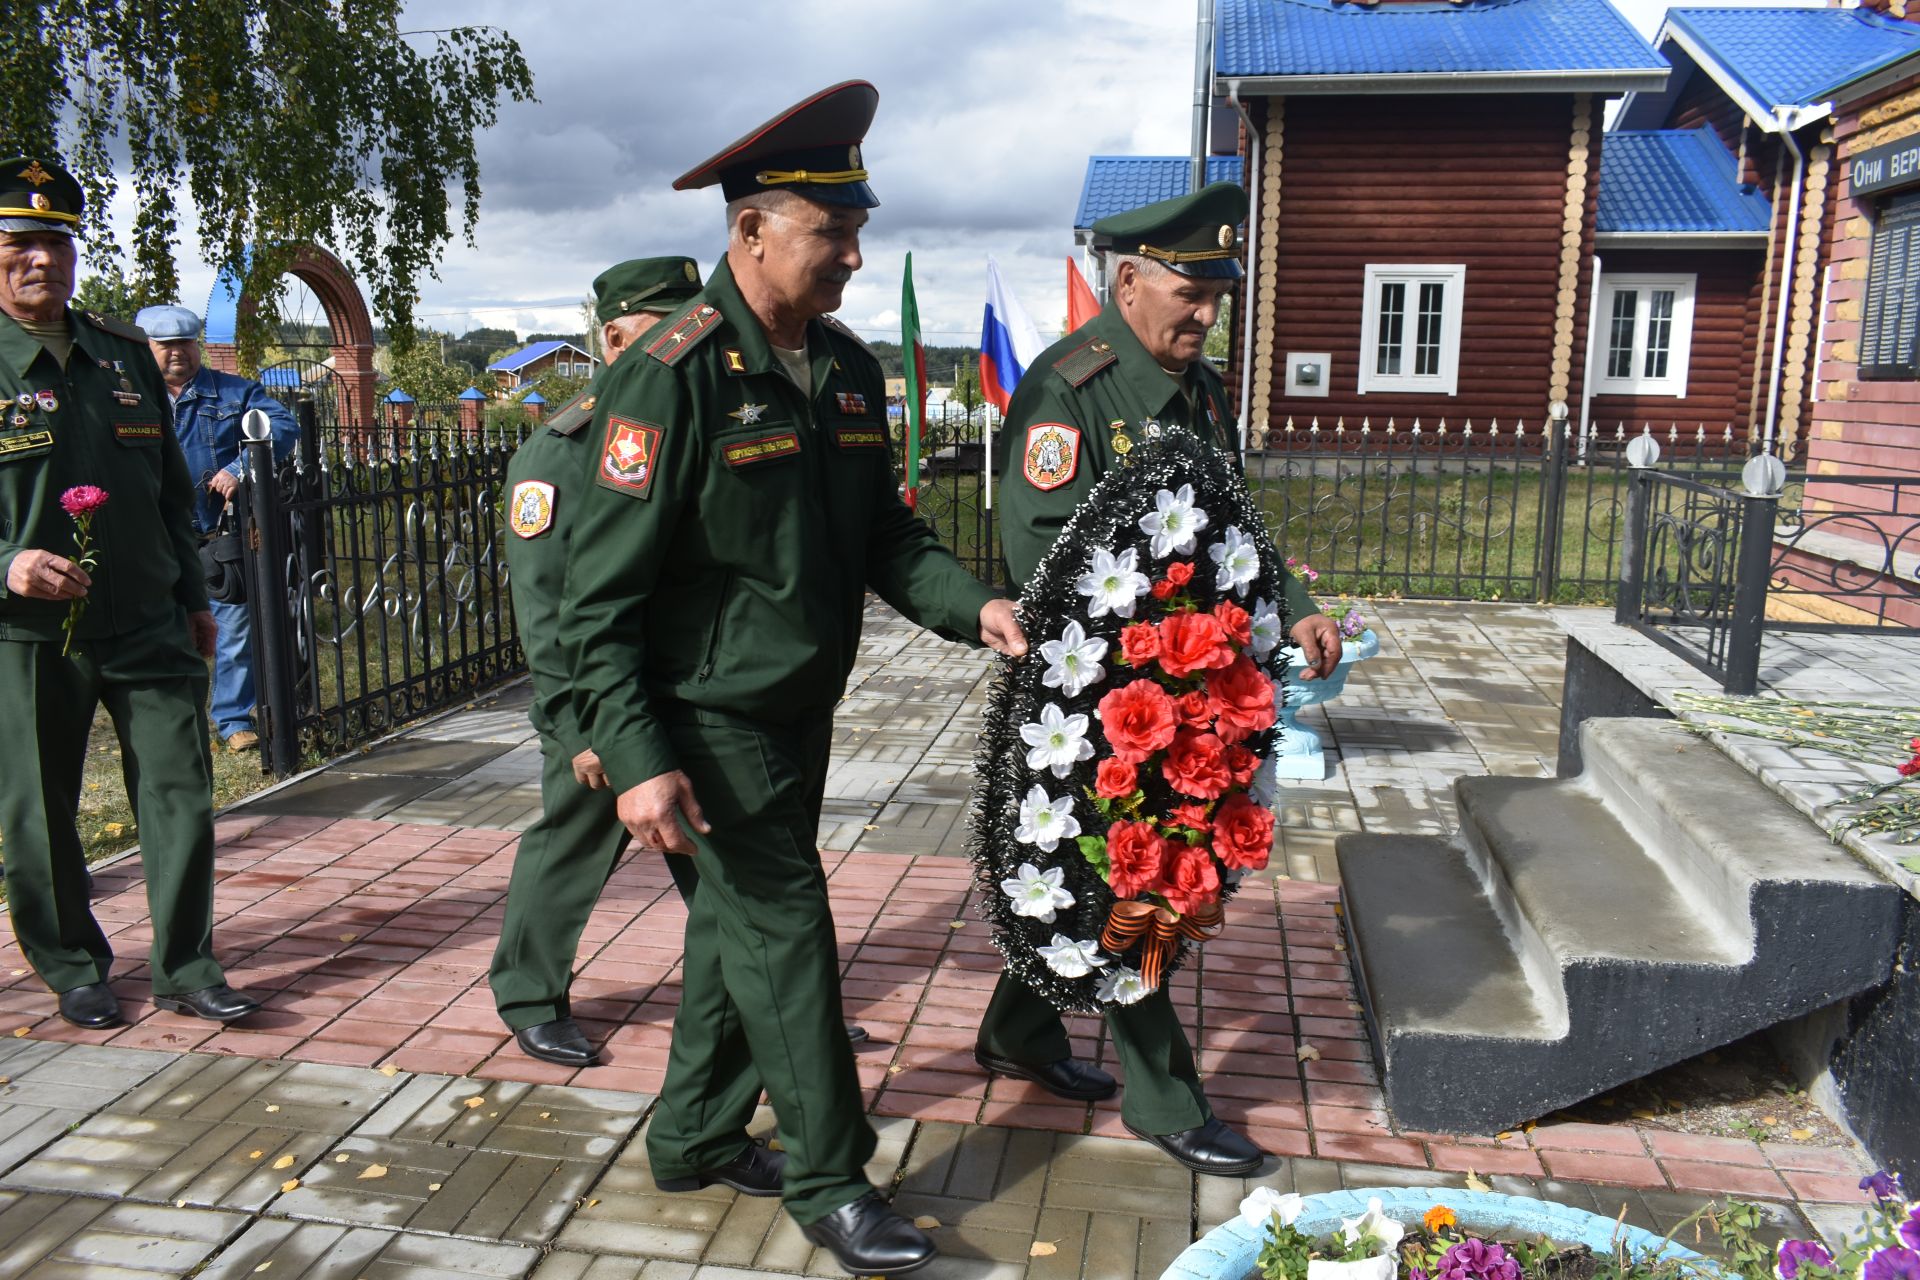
1580,933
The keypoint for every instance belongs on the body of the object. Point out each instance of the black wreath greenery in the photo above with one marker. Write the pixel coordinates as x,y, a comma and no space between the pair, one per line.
1110,520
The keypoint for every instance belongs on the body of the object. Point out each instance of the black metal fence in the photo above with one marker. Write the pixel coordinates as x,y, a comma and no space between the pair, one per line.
378,575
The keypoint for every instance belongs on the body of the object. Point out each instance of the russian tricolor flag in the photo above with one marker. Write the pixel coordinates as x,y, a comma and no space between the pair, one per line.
1008,341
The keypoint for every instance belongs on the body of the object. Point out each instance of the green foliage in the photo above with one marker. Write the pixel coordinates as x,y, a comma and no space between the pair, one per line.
940,360
287,122
111,294
1094,850
557,389
1220,337
421,373
1285,1253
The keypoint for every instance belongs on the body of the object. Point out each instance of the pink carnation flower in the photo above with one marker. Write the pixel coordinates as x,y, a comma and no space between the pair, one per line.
83,500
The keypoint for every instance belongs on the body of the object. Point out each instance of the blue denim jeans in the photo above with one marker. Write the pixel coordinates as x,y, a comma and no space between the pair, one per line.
233,691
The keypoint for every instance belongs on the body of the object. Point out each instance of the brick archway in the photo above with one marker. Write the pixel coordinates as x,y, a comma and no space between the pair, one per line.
347,318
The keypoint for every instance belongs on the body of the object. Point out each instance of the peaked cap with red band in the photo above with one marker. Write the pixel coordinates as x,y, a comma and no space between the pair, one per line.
811,149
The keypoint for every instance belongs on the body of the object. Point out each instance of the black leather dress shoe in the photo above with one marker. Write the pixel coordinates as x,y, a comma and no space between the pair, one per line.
1213,1148
869,1239
856,1035
754,1172
1067,1078
217,1003
92,1006
559,1041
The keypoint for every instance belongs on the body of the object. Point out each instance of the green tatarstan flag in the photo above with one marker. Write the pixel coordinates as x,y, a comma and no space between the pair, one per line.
915,367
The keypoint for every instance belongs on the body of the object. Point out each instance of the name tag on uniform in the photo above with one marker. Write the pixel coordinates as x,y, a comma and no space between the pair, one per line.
24,441
136,431
743,453
860,437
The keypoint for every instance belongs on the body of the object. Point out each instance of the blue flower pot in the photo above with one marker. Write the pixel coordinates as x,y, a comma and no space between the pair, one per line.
1297,753
1231,1250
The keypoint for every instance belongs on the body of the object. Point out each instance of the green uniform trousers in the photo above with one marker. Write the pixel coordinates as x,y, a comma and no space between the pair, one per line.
760,998
154,687
559,870
1162,1093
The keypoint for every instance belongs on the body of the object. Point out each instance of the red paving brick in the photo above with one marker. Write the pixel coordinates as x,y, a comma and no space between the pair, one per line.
370,942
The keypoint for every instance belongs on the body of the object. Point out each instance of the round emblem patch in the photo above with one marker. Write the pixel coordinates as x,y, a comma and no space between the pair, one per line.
1226,237
531,509
853,157
1052,454
693,272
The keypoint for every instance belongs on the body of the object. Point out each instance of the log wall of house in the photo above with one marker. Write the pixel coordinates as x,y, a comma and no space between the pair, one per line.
1704,102
1482,181
1726,330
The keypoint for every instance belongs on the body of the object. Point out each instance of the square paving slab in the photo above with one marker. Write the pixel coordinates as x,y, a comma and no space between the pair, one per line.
76,1238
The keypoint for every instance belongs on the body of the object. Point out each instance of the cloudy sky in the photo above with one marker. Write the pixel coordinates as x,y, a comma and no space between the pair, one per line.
988,112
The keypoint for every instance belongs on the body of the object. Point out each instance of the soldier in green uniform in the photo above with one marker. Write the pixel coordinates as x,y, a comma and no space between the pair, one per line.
84,405
1135,370
744,501
564,859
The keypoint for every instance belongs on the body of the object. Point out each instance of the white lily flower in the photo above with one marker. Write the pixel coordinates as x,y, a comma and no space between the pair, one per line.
1122,986
1113,583
1059,741
1046,820
1267,635
1385,1231
1073,661
1238,561
1072,959
1174,523
1264,1203
1037,893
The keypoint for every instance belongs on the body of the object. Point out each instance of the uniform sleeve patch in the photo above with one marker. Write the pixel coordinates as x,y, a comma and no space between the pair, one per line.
860,437
631,456
1052,454
531,511
743,453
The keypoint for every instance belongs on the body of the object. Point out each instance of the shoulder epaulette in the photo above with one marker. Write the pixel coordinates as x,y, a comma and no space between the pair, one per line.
573,415
682,333
114,325
1084,361
839,326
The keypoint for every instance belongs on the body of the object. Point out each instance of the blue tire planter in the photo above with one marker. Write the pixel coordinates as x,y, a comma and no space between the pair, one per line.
1230,1250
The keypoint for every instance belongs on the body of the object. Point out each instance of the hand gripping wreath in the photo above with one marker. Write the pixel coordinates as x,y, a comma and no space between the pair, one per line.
1116,806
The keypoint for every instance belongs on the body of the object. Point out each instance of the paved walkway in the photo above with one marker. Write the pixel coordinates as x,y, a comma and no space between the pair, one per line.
377,1120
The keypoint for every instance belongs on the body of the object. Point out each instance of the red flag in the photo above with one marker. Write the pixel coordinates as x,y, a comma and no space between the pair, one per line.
1082,306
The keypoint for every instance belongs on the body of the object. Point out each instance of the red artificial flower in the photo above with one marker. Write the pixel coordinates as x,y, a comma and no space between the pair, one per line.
1192,642
1137,719
1242,764
1237,621
1243,833
1162,589
1190,881
1180,572
1135,855
1115,779
1242,699
83,500
1191,814
1194,710
1910,768
1196,765
1139,643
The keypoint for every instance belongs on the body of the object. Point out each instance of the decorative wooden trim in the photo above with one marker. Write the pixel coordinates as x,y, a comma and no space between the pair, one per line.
1572,224
1763,341
1266,287
1800,318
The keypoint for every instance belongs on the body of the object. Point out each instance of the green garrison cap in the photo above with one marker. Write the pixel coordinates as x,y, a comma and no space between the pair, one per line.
644,284
1194,234
36,194
811,149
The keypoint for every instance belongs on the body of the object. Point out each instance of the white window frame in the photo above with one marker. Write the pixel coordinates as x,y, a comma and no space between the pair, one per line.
1445,381
1679,350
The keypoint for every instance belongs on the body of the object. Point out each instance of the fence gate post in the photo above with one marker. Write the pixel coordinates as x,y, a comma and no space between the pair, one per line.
1553,502
266,545
1746,629
1633,547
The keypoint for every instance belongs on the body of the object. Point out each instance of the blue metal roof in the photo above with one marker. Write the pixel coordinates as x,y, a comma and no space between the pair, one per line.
472,393
397,396
1674,180
533,397
279,375
1794,57
527,355
1325,38
1115,184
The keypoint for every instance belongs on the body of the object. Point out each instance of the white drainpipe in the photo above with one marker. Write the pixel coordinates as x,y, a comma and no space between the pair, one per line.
1593,356
1247,302
1785,304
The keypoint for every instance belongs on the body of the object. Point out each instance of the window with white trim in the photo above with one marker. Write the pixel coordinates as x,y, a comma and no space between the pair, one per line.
1646,335
1410,328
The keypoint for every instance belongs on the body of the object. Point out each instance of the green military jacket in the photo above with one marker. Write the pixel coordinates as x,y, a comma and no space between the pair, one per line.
545,480
1092,389
732,528
104,420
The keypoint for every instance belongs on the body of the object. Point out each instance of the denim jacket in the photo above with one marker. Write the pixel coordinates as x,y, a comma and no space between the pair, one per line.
206,418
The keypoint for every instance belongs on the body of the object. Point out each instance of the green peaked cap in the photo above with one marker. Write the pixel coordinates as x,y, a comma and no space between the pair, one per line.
1195,234
644,284
37,194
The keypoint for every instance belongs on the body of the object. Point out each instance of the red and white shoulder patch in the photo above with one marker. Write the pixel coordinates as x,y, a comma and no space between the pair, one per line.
631,456
1052,455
